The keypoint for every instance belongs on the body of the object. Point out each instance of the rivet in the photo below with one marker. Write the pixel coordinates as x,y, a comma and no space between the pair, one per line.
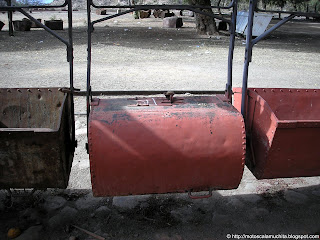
39,90
298,90
8,90
255,90
29,90
315,90
263,90
243,154
307,91
243,143
290,90
243,158
244,148
242,120
18,90
272,90
243,137
49,90
281,90
243,132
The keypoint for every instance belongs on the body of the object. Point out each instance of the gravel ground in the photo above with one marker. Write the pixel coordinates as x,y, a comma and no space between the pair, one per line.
133,54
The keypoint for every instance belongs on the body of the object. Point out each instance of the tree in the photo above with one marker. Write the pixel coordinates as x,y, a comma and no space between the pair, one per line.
204,24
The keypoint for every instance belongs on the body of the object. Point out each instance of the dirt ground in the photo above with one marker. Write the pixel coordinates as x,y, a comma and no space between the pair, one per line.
131,54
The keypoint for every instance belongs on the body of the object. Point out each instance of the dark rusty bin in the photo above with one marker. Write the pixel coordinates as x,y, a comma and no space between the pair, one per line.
148,145
54,24
284,129
36,148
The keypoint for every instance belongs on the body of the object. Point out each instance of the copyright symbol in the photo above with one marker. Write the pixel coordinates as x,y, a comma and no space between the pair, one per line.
228,236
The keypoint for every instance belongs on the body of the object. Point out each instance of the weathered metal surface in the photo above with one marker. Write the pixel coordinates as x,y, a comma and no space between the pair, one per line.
194,143
284,131
54,24
36,148
24,25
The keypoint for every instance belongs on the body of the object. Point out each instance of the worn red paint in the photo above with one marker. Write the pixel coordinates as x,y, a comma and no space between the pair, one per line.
196,144
284,128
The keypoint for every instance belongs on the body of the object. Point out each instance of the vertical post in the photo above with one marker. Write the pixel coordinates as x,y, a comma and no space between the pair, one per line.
70,45
10,19
90,29
232,30
248,55
70,60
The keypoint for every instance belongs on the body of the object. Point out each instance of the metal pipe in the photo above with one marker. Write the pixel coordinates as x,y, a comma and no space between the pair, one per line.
70,45
248,55
90,29
10,19
145,92
137,8
70,60
232,30
178,7
270,30
10,23
113,16
53,33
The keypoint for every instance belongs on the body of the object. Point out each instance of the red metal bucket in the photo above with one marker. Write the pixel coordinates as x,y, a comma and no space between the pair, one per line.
284,129
148,145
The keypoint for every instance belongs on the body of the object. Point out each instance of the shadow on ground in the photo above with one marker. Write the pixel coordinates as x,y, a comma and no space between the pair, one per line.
171,216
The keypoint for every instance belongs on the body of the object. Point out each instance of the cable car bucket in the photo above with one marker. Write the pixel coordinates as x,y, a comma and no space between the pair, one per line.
144,145
37,132
283,124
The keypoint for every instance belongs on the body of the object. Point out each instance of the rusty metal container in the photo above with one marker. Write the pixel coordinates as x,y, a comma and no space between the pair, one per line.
36,148
150,145
54,24
24,25
284,129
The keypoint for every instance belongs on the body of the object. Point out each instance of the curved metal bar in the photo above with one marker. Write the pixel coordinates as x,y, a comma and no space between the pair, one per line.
251,42
232,4
232,30
138,8
147,92
248,55
164,6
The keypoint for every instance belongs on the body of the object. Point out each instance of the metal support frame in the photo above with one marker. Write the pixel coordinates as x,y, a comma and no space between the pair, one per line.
10,8
144,92
132,8
68,42
251,42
